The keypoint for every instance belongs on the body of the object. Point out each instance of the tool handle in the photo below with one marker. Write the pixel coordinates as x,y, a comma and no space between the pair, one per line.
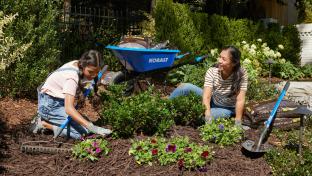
280,98
200,58
61,128
181,56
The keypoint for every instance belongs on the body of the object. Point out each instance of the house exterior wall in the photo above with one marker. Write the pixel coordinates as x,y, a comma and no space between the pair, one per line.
305,33
284,13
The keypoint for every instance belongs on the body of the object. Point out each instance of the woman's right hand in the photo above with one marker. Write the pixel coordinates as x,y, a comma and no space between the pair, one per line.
98,130
208,117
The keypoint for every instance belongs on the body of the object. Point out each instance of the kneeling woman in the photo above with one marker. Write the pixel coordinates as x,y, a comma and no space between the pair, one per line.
56,97
224,88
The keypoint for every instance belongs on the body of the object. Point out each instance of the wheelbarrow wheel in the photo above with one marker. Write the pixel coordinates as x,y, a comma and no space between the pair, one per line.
120,78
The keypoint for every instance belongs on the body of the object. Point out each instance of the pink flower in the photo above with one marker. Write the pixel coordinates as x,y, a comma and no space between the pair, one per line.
205,154
95,144
98,150
154,152
171,148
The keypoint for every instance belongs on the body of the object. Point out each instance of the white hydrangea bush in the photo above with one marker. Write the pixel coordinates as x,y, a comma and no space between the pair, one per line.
10,50
255,56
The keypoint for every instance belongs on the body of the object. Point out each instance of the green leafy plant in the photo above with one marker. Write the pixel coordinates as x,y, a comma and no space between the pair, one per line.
222,132
189,110
141,113
176,150
287,70
90,148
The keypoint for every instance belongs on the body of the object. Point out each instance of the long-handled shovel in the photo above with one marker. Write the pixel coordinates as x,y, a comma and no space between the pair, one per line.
249,145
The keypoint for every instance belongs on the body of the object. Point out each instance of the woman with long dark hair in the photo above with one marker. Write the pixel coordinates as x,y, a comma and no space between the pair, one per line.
224,88
57,95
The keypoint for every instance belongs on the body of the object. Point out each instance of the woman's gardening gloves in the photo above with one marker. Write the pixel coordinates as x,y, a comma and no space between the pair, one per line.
98,130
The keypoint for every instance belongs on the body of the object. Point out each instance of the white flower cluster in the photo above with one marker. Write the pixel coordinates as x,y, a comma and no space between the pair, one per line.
10,51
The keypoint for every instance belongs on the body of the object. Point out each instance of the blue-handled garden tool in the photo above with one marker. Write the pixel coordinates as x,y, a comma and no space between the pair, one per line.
249,145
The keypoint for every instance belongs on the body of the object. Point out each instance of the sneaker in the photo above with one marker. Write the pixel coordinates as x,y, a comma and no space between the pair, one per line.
36,124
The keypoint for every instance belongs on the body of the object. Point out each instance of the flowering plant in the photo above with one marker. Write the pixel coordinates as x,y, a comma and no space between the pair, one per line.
256,55
90,148
10,50
177,150
222,132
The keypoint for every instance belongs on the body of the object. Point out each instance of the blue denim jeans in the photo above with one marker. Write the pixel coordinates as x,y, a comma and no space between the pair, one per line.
216,111
52,110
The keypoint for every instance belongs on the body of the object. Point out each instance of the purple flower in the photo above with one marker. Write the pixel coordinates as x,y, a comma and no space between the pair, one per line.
188,149
98,150
221,127
203,169
82,138
171,148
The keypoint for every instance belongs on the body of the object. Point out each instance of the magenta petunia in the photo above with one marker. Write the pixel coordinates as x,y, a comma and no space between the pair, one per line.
98,150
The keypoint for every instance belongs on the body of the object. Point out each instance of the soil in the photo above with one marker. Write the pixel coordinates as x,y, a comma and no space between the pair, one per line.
15,116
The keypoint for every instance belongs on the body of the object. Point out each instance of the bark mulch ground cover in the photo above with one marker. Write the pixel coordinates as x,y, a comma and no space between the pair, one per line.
15,115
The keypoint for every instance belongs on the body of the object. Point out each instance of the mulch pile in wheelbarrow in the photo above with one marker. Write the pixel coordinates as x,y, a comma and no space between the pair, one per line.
14,119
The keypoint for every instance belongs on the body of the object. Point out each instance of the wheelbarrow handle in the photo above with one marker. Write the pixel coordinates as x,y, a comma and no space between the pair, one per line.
200,58
280,98
181,56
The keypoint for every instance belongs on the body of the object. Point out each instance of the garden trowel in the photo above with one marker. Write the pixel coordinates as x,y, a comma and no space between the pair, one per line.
259,147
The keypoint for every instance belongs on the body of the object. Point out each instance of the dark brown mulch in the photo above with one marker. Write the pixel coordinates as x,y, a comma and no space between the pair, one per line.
15,116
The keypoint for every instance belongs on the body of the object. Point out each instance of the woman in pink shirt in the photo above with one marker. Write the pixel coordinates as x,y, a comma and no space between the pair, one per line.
56,97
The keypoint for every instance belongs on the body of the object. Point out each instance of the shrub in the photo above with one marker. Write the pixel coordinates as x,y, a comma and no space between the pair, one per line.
10,51
174,22
141,113
35,24
307,70
189,110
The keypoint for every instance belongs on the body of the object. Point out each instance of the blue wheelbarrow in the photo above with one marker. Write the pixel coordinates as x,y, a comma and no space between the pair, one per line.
143,61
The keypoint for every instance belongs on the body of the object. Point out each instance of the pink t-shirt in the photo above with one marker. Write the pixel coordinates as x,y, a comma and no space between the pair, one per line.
62,82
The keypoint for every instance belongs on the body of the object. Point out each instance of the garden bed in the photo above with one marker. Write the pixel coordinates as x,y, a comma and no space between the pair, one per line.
16,115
